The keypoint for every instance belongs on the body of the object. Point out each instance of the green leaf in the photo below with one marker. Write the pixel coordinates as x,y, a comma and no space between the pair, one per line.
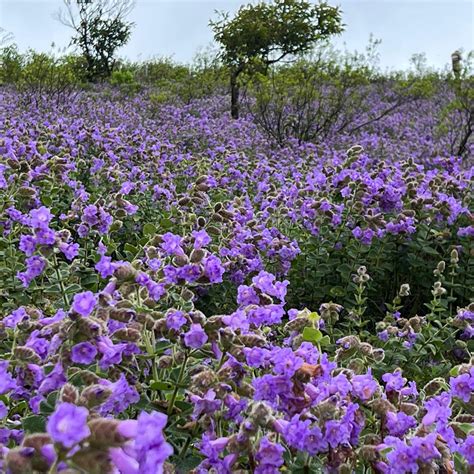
325,341
157,385
166,223
312,335
149,230
34,424
466,427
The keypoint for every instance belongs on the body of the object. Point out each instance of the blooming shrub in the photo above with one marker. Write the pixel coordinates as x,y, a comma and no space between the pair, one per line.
180,295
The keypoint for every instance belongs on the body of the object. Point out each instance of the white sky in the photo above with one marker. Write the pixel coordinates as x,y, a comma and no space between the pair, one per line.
179,28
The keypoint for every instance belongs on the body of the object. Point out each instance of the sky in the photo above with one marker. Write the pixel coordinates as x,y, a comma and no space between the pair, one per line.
179,28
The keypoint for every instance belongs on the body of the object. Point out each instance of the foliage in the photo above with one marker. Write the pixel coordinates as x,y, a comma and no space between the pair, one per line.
100,29
179,291
265,33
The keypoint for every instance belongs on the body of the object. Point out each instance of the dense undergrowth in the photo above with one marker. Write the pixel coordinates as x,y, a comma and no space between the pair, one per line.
182,291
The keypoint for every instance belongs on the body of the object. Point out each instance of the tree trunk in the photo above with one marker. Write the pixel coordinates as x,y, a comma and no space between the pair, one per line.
234,93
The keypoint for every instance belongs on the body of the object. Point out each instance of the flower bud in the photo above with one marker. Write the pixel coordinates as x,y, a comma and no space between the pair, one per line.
165,362
409,408
69,394
404,290
433,386
197,255
26,354
261,414
105,433
18,461
94,395
123,315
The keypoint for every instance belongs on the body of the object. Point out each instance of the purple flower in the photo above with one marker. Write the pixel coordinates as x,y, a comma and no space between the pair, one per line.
68,424
437,409
70,251
394,382
201,239
462,386
336,433
40,218
83,353
7,382
402,458
246,295
53,381
399,423
123,395
27,244
269,456
175,320
207,404
467,450
151,448
16,317
286,362
425,447
171,244
3,410
213,269
89,215
84,303
34,267
364,386
105,266
195,337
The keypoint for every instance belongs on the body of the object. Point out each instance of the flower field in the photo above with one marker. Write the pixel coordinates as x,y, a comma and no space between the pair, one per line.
179,294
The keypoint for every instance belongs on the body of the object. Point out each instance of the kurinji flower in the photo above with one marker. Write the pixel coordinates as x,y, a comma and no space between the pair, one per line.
269,456
425,448
106,267
286,362
83,353
364,386
27,244
462,386
89,215
40,217
84,303
437,409
3,410
111,353
45,236
195,337
151,448
394,382
70,251
336,433
201,239
34,267
123,395
399,423
171,244
175,320
16,317
68,424
7,382
53,381
402,458
207,404
246,295
213,269
467,450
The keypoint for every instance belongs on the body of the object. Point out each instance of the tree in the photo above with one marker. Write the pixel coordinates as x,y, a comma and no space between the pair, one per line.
5,38
265,33
100,28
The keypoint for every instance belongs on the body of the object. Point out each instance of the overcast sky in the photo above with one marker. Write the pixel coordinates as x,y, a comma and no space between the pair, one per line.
179,28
